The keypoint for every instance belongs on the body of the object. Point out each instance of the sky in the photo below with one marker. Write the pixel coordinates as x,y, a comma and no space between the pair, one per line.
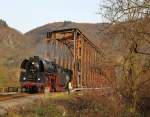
25,15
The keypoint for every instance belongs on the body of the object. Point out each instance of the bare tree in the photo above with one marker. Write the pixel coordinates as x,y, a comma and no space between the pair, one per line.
124,10
131,18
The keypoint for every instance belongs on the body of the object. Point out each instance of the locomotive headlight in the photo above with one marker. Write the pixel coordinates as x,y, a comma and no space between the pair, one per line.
24,78
38,79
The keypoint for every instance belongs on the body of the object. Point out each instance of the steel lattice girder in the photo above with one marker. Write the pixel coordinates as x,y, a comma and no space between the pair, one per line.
86,57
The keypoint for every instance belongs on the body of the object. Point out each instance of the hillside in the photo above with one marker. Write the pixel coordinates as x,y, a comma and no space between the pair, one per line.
14,46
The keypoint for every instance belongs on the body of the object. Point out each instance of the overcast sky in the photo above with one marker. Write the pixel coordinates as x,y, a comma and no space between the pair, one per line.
25,15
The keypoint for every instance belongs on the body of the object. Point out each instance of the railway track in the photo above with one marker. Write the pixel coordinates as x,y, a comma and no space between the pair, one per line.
13,95
12,99
8,93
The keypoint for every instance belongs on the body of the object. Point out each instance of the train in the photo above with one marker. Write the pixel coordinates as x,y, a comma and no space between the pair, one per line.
37,74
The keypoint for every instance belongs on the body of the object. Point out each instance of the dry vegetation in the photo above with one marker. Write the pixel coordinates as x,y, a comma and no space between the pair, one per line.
130,25
80,104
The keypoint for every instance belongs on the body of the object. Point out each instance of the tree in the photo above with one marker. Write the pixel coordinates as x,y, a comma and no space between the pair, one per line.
130,20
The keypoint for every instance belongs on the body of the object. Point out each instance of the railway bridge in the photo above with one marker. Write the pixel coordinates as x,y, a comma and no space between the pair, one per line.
71,48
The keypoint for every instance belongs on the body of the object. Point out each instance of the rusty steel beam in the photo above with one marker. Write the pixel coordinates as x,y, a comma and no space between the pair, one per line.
74,59
71,30
82,62
61,39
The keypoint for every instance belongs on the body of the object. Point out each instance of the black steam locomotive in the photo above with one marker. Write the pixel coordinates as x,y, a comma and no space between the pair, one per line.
37,73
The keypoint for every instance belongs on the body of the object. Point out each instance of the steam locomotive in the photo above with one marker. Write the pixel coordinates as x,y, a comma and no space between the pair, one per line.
37,73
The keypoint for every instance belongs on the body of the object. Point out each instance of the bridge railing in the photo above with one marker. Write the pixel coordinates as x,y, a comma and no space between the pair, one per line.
10,89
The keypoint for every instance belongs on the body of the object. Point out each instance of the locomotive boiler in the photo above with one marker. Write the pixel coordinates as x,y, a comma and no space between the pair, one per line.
38,73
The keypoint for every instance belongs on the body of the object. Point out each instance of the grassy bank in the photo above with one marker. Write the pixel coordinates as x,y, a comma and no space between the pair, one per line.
79,104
